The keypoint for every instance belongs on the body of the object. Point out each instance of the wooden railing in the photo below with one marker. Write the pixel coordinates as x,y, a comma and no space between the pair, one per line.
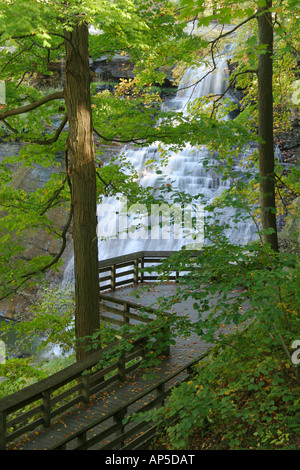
116,430
124,311
39,403
131,269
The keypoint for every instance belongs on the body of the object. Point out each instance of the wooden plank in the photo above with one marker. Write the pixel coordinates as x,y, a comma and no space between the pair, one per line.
24,416
111,320
138,397
116,300
100,374
90,442
120,259
132,316
3,428
33,392
105,278
46,408
106,287
113,277
59,410
99,437
123,283
147,436
131,368
124,436
125,273
66,393
102,385
20,432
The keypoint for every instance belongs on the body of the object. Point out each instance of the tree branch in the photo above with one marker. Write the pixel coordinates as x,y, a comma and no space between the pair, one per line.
29,107
26,277
55,137
132,139
55,196
223,35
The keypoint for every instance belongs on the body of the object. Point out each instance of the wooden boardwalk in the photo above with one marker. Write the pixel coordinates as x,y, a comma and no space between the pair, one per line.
116,395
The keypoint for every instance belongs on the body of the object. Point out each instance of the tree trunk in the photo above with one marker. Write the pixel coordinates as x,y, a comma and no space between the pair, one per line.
80,147
265,124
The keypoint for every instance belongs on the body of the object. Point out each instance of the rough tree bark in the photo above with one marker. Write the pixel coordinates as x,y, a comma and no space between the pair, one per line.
80,148
265,125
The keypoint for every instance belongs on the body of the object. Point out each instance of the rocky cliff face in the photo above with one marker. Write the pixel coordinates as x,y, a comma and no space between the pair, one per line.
41,243
30,179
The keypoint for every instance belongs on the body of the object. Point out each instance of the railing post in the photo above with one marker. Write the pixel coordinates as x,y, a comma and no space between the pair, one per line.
142,270
161,393
189,371
113,277
136,271
3,430
81,440
167,335
122,367
85,388
126,319
46,407
118,418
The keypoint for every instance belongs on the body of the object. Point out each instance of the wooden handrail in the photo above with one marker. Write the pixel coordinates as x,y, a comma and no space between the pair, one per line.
131,256
111,268
42,390
116,300
122,410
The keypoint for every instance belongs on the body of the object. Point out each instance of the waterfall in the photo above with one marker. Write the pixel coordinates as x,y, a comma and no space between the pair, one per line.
185,169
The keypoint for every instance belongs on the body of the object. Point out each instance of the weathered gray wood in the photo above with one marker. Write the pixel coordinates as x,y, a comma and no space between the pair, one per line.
25,429
118,419
41,391
99,437
46,408
141,271
123,283
111,320
34,392
36,411
141,442
136,271
85,388
125,273
82,439
62,408
138,260
120,259
161,392
121,367
157,389
113,277
116,300
2,430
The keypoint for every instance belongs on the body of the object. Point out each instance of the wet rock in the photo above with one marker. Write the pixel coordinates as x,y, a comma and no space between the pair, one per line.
112,69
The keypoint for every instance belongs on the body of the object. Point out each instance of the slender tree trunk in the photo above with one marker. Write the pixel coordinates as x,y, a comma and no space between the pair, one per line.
265,113
80,147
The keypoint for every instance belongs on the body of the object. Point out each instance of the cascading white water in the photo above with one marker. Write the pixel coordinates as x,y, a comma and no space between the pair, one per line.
185,169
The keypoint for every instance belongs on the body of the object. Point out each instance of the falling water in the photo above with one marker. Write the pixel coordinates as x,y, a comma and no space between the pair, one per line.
185,169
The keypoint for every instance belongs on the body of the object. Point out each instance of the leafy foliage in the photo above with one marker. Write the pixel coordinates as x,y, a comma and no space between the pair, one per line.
251,290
